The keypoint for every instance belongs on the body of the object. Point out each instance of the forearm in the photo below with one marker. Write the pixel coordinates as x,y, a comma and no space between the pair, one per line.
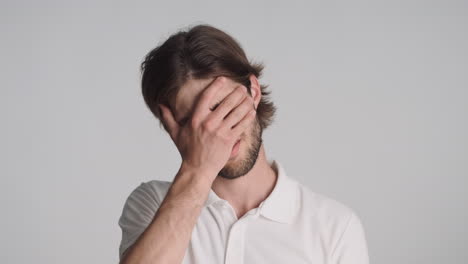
168,235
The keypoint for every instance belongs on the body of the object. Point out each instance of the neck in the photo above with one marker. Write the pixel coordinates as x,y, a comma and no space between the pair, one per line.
248,191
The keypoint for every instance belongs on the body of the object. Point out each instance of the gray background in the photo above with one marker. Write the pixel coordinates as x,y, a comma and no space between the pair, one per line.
372,111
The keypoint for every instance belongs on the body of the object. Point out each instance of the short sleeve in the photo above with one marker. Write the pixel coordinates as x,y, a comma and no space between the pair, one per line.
352,246
138,212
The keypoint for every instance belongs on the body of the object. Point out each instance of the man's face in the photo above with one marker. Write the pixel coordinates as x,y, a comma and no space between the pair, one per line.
251,140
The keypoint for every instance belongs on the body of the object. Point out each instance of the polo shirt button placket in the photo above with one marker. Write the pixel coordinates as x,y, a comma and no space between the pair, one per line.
235,245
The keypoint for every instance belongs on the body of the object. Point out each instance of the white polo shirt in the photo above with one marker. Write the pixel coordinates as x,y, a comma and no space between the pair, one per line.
292,225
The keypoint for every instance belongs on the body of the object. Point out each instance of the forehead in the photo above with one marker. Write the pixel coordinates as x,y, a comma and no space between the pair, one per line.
189,93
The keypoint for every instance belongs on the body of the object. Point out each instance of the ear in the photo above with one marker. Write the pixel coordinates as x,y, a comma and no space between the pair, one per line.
255,90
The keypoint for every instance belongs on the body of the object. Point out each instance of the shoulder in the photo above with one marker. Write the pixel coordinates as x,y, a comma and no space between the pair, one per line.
157,187
336,223
139,209
323,209
148,193
153,189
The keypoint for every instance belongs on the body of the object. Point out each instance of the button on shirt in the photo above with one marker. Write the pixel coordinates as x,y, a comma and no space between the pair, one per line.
292,225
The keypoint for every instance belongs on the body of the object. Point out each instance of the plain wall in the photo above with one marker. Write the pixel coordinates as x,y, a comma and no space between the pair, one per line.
372,111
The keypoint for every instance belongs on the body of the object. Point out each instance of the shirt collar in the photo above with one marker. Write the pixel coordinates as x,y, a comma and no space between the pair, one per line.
281,204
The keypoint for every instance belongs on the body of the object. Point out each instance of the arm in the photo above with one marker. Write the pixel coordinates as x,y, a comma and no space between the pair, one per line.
166,238
205,143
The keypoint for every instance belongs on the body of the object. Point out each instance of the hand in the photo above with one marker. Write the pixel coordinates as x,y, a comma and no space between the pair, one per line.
206,140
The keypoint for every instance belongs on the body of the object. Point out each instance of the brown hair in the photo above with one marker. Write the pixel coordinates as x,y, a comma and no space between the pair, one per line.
201,52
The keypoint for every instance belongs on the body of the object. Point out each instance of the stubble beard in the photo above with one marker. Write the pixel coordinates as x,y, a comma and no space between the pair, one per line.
242,165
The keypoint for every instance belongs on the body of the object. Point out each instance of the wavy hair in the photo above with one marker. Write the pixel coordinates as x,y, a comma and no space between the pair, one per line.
202,51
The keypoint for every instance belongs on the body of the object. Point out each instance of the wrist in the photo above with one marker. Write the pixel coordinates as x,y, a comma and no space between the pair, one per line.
197,174
201,171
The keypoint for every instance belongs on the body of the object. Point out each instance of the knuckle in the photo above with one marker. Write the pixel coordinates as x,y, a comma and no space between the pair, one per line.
222,79
208,125
194,122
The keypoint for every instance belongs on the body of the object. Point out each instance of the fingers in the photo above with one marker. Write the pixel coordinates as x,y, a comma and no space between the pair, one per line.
244,123
169,121
239,112
202,107
229,103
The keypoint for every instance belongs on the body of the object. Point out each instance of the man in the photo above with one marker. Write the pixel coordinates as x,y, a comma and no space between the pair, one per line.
228,203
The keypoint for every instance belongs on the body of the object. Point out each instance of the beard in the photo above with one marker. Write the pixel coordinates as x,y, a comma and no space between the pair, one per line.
242,165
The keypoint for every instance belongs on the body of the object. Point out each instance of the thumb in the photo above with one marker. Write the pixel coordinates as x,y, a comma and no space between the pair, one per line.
169,121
